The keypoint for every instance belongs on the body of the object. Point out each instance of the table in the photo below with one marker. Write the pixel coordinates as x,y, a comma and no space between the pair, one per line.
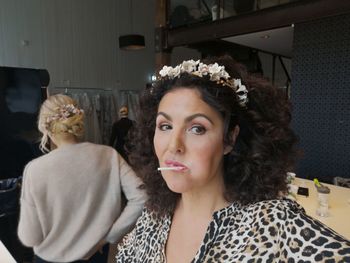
5,256
339,206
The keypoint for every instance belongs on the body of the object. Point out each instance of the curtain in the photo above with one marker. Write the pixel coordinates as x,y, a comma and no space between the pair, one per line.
129,98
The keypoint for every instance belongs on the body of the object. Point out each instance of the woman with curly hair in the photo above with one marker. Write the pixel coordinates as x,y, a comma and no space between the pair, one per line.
71,203
212,146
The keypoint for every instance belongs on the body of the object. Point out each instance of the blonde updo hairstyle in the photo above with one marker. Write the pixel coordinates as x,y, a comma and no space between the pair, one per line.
50,125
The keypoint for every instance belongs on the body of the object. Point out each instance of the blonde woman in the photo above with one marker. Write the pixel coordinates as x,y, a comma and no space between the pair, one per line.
71,197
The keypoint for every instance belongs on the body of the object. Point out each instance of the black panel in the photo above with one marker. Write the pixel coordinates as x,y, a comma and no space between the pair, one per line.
321,96
21,95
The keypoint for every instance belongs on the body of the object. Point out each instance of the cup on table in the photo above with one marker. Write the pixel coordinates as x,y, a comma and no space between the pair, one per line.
323,201
290,177
323,207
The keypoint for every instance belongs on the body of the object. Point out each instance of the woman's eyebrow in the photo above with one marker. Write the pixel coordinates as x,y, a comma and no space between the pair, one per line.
190,118
164,115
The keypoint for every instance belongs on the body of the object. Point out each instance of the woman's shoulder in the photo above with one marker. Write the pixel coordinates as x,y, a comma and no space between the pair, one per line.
301,231
37,163
90,145
152,217
83,150
297,234
93,150
279,214
276,208
281,208
149,226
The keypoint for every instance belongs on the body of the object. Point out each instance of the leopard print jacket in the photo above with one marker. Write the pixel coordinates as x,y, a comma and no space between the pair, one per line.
267,231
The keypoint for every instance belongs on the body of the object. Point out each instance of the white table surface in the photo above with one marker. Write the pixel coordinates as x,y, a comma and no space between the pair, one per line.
5,256
339,206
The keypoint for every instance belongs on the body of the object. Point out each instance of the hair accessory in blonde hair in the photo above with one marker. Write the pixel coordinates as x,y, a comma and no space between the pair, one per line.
215,72
64,112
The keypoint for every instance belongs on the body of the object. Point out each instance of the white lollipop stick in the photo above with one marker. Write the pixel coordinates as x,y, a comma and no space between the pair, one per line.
169,168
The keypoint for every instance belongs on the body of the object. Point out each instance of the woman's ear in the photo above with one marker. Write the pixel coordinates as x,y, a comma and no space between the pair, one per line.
233,136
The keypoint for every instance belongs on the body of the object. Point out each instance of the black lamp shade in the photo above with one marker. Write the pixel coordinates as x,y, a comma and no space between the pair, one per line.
131,42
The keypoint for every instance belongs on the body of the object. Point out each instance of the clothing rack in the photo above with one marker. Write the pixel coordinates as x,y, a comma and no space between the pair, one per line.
80,88
128,90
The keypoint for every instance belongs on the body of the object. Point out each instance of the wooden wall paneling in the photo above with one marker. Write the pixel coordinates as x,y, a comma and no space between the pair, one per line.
94,47
30,34
113,30
100,45
50,46
2,38
124,27
101,48
88,48
112,72
10,32
79,42
58,41
162,57
109,46
136,67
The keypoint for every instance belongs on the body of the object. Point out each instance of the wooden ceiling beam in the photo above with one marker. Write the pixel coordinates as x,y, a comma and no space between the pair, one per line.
265,19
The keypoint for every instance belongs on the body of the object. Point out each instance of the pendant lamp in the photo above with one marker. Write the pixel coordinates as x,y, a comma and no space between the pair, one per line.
131,41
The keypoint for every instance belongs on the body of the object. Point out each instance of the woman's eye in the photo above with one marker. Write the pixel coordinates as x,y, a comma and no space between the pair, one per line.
197,129
164,127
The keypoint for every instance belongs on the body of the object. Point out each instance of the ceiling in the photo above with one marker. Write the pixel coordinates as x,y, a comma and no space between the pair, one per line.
278,41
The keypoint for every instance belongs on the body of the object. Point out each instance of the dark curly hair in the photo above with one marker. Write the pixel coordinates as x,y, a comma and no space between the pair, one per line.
264,149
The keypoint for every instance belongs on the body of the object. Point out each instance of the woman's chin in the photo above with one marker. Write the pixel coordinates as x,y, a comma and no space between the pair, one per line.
178,188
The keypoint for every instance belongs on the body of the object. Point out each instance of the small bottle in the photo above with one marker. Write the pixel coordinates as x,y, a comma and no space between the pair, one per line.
323,199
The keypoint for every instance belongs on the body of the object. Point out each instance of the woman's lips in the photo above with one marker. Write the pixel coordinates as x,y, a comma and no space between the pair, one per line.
177,165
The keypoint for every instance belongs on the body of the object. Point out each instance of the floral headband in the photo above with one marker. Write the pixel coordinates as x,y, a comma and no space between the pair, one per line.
64,112
216,73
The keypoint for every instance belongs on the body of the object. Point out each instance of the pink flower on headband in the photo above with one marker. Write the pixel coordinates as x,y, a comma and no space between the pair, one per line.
64,112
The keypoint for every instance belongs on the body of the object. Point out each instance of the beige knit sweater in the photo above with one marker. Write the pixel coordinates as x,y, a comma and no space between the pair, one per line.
71,200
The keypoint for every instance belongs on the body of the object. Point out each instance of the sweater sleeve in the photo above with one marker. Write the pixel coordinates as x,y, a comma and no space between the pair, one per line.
136,198
29,228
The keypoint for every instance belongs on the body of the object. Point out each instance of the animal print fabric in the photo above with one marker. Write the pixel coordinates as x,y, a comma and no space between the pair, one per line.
267,231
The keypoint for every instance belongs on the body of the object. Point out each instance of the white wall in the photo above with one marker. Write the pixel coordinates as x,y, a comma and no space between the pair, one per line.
77,40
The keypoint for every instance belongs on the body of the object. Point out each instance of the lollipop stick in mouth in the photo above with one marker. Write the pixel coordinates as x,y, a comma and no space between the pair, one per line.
170,168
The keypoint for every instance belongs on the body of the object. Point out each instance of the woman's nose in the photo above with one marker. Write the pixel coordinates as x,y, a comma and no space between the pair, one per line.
176,144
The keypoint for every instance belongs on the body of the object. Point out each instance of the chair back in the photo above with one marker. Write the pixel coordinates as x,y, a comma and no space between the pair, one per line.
10,190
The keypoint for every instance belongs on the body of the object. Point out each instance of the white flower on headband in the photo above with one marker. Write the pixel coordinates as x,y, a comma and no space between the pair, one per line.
203,69
176,71
241,91
165,71
170,71
189,66
216,73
